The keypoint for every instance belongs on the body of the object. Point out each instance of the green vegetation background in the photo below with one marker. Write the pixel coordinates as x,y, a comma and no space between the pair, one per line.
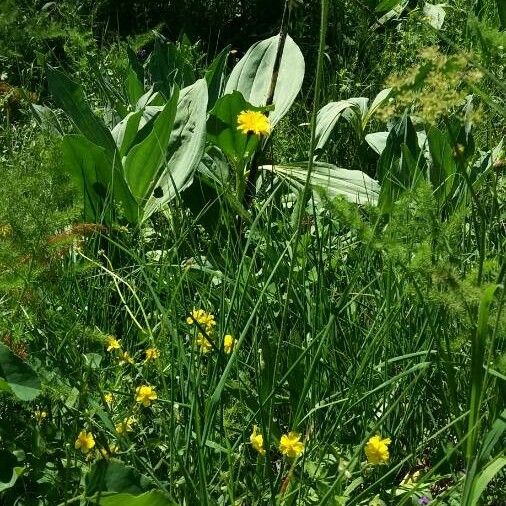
413,288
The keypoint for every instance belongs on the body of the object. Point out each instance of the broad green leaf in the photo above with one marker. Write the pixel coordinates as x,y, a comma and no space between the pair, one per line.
126,130
326,120
113,476
395,172
377,141
355,110
85,162
69,96
186,146
393,8
134,82
386,5
46,118
378,101
17,375
91,171
252,76
152,498
9,470
443,166
435,14
143,162
222,128
215,77
353,185
169,65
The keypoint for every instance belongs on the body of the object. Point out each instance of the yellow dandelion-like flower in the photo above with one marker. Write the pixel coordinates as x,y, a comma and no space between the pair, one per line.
145,394
204,343
151,354
253,122
113,343
109,398
291,445
126,425
125,358
84,442
257,441
376,450
228,344
39,415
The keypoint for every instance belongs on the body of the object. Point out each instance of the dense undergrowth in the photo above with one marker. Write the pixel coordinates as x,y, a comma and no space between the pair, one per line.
223,287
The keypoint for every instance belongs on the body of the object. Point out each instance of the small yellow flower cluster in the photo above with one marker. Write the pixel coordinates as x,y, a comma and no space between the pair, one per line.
290,444
376,450
203,318
253,122
114,345
109,399
39,415
207,322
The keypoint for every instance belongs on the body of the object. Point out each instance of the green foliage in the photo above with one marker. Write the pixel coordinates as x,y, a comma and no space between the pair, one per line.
141,363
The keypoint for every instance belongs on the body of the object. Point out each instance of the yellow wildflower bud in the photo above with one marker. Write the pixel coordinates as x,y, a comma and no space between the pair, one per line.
39,415
228,344
257,441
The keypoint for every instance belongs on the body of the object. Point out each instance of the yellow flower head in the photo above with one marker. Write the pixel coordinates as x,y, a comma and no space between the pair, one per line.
203,318
125,358
39,415
204,343
291,445
253,122
126,425
228,344
113,343
84,442
152,354
376,450
109,398
145,395
257,441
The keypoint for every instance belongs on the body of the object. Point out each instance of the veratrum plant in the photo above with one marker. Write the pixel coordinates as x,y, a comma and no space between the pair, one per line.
145,160
252,82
